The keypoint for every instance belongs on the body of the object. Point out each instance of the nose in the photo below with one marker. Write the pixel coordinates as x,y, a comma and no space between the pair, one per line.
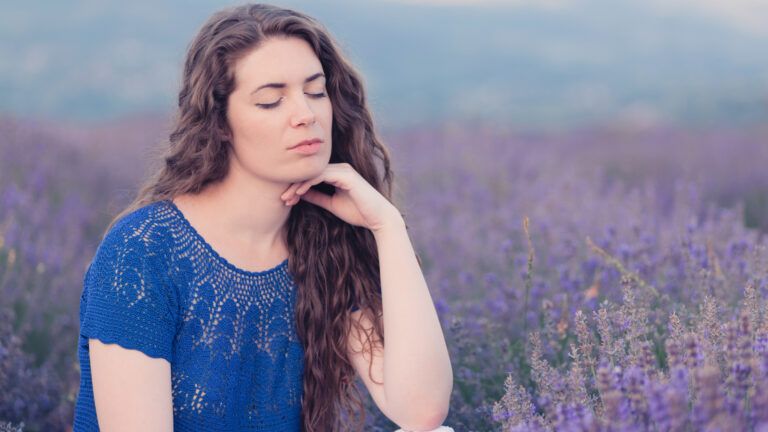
304,114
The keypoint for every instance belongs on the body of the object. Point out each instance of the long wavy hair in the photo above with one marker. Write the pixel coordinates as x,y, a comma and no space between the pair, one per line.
334,264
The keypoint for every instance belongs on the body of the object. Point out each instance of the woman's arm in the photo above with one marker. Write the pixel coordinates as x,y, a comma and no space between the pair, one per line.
131,390
416,368
418,377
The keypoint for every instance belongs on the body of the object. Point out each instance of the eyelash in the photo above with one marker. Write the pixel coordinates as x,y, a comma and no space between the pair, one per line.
274,104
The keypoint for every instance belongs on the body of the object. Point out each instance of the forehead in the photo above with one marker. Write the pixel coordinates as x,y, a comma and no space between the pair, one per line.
289,60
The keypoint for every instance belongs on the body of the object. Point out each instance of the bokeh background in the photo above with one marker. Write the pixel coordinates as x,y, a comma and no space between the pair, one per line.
632,135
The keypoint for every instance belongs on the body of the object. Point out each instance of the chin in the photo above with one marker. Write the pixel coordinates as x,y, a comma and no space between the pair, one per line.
309,172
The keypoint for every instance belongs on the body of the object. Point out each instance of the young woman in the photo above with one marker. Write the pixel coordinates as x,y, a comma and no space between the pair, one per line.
256,273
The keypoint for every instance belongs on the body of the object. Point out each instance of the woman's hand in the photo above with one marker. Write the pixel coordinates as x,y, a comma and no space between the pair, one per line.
355,202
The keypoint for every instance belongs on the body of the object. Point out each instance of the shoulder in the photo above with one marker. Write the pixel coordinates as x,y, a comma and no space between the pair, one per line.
146,224
128,297
142,234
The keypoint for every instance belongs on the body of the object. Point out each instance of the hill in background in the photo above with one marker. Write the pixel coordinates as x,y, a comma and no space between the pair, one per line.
582,62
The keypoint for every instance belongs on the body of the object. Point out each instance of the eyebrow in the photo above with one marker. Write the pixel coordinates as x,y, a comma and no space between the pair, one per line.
282,85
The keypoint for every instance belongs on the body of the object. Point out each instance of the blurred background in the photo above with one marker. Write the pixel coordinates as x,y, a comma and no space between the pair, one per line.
526,64
592,117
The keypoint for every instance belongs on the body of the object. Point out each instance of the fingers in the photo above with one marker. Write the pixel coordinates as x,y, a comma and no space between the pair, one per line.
335,174
293,194
306,186
290,191
318,198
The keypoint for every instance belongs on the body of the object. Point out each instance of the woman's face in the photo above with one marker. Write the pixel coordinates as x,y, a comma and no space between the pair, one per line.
274,106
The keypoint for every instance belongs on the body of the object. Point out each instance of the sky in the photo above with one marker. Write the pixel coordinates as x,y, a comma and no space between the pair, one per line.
533,62
750,15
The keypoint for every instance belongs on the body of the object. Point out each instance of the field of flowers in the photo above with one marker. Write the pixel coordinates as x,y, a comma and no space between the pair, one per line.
610,279
605,277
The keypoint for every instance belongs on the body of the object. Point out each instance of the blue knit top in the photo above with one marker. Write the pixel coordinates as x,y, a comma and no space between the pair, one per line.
155,285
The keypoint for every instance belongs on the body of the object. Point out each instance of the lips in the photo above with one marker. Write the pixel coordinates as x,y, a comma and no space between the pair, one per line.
305,142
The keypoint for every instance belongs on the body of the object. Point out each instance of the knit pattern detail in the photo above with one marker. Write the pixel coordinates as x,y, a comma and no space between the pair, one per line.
155,285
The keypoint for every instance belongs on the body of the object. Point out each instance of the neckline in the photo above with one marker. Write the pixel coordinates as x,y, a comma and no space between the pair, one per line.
213,252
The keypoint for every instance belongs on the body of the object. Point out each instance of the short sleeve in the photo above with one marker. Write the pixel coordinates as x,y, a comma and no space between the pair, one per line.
128,298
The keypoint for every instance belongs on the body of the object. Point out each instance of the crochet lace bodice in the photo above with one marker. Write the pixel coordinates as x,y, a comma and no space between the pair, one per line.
155,285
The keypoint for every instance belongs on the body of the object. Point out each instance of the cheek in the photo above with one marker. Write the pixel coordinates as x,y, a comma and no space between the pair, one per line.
237,122
328,112
253,127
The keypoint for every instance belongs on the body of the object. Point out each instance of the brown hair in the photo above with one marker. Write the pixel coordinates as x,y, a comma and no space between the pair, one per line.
334,264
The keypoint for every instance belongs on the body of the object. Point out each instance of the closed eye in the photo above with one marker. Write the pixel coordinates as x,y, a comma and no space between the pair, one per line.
274,104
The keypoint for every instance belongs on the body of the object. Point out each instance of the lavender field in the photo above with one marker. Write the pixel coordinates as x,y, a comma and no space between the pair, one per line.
601,279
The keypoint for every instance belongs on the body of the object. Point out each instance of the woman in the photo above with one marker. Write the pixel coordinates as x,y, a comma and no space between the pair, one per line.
256,273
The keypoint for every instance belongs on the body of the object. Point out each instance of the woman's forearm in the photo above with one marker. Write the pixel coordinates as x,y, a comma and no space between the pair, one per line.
417,370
